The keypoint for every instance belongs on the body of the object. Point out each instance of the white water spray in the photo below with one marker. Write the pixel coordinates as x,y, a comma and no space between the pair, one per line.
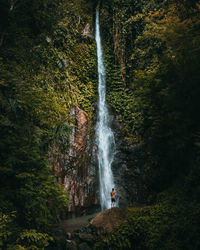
105,136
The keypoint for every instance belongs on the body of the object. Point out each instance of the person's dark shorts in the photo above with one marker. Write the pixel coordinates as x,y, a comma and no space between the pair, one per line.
112,199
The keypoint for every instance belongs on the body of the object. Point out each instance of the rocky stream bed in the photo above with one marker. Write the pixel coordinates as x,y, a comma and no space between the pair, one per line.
81,233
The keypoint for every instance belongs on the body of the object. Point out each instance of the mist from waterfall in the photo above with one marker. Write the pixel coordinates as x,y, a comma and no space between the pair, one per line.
104,134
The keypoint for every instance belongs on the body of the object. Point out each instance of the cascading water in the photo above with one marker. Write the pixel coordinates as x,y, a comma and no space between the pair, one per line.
104,134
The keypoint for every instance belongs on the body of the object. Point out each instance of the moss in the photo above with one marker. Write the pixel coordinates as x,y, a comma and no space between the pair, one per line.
47,67
151,56
170,224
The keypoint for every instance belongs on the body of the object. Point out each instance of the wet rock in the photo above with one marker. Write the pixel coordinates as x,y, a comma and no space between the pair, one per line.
81,183
69,235
84,246
86,237
77,170
128,161
71,245
105,221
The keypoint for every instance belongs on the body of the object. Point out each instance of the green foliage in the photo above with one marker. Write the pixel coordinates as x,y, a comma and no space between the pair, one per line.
30,239
153,86
47,67
170,224
5,226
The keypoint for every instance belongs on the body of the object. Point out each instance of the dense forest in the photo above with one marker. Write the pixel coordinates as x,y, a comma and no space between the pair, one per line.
153,54
47,66
43,73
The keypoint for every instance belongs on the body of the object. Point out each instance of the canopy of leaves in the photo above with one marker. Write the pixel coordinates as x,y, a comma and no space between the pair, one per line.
153,86
46,67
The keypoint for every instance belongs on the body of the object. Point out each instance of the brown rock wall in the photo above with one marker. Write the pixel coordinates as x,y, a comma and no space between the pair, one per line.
76,170
81,182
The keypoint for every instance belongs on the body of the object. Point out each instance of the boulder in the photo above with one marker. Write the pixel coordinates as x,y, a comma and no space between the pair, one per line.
71,245
105,221
84,246
86,237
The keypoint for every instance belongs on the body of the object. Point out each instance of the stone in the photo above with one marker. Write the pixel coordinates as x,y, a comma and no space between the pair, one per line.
126,166
81,183
86,237
69,235
84,246
71,245
105,221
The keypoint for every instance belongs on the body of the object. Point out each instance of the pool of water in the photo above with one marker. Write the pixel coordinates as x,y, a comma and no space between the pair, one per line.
76,223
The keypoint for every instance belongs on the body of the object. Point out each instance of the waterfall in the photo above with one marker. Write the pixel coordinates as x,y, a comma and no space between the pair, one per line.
104,134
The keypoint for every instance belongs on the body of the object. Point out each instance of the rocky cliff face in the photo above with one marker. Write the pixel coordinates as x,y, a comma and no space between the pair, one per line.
78,170
81,177
126,168
81,182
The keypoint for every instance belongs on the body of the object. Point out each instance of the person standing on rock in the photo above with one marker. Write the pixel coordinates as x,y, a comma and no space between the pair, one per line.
112,194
